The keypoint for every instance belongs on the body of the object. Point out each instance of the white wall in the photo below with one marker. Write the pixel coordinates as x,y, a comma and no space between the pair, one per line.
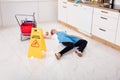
0,20
9,9
46,10
0,15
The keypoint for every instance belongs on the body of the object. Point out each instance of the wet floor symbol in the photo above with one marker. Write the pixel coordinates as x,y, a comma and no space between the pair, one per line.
35,44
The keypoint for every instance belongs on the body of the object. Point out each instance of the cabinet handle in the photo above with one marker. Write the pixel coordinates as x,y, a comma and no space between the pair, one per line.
76,5
65,2
103,18
104,12
102,29
64,7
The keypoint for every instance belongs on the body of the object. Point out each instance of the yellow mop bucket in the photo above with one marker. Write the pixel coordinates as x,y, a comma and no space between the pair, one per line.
37,44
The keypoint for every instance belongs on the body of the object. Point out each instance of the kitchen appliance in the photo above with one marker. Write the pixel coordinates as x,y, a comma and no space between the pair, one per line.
116,4
113,4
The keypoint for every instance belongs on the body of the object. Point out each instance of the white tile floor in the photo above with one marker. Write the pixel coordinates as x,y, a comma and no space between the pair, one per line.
99,62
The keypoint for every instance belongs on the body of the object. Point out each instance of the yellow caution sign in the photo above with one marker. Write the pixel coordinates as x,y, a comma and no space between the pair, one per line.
37,44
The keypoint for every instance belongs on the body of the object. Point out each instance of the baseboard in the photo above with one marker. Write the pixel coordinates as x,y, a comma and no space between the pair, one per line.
106,42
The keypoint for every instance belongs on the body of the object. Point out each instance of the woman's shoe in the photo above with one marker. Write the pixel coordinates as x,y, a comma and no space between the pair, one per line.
79,53
58,56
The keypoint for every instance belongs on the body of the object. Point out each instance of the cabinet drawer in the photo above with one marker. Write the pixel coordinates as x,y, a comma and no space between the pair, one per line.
106,13
104,33
102,20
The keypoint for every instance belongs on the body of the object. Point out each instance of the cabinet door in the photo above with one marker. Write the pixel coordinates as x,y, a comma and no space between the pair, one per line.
71,14
118,34
85,19
62,11
80,16
74,14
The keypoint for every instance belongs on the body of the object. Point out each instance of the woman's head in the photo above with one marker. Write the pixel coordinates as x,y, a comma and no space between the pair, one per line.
53,31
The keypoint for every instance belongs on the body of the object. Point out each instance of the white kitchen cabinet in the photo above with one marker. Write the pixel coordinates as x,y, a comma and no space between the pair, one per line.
72,14
0,15
86,19
80,16
62,1
105,24
62,10
118,33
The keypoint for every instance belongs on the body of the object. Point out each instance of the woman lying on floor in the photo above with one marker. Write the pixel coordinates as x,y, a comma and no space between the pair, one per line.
69,41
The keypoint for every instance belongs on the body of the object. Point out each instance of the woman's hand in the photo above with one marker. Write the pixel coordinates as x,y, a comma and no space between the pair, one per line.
47,35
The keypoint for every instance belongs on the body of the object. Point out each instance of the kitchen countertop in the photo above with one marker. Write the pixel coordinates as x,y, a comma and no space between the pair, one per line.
97,5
